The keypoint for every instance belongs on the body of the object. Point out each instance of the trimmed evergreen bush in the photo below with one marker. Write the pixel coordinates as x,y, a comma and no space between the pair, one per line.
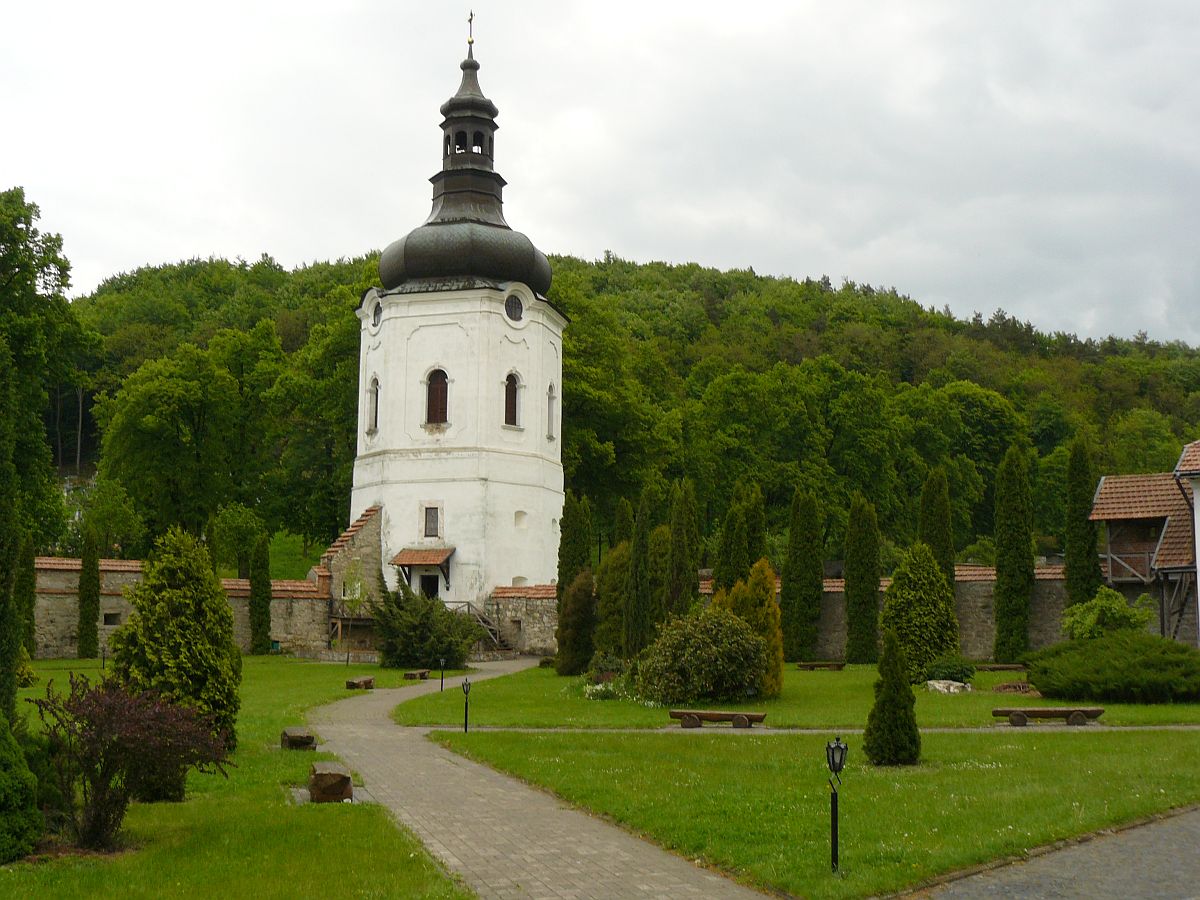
622,529
919,607
708,655
576,624
89,599
260,596
934,525
612,578
416,631
574,542
1082,561
950,667
892,737
1122,667
1105,613
1014,557
803,582
20,820
862,582
25,595
639,617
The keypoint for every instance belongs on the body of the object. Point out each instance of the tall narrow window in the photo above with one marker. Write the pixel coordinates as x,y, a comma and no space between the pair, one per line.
550,412
460,142
431,521
510,399
435,399
477,142
373,407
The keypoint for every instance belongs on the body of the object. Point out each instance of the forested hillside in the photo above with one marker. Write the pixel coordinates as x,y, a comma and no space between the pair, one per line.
242,377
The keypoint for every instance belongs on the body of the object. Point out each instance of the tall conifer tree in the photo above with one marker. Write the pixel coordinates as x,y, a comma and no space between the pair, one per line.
25,595
89,598
639,614
802,584
622,529
10,538
1014,557
1082,560
892,737
934,526
575,540
684,585
576,626
862,582
260,596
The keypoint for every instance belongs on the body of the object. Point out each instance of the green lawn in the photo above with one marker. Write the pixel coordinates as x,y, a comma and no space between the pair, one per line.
758,807
242,837
539,698
288,559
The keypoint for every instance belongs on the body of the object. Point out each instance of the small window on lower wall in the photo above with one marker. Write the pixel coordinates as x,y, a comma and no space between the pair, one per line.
112,618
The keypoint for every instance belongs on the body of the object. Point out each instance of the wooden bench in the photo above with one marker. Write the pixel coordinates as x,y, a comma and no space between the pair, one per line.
813,666
694,718
1075,715
361,683
999,667
423,674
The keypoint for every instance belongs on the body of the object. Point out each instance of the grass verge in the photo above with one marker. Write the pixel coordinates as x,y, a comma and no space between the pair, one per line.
242,837
758,807
538,698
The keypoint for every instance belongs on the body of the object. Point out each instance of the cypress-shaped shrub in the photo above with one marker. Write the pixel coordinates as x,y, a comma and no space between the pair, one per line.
1014,557
706,655
862,582
639,601
934,524
260,596
684,581
25,595
576,625
1121,667
919,607
892,737
622,529
733,553
660,574
20,820
612,579
575,540
753,600
1082,561
803,580
89,599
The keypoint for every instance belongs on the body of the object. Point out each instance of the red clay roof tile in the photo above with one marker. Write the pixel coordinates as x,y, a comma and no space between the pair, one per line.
1189,460
525,592
422,556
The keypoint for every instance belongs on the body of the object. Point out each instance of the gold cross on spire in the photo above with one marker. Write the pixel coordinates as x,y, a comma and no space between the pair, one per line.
471,28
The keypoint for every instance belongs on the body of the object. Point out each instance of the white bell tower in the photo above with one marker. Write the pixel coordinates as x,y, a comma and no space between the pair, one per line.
460,383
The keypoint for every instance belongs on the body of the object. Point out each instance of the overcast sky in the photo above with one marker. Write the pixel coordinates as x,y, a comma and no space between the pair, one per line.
1043,158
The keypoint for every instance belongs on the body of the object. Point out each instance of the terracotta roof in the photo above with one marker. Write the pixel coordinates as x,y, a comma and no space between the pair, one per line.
281,588
1189,460
422,556
525,592
962,572
1157,496
64,564
344,538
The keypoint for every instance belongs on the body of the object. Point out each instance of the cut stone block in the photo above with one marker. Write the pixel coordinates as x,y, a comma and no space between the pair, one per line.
362,683
297,738
329,782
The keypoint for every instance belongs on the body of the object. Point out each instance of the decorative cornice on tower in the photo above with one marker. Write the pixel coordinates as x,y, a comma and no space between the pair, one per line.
466,233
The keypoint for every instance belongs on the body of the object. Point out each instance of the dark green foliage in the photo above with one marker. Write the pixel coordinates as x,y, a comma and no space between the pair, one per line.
950,667
919,607
1106,613
892,737
416,631
612,580
20,821
733,557
25,595
574,542
862,583
934,525
89,599
660,573
10,538
622,529
639,620
260,596
235,531
1122,667
576,626
107,511
753,600
1014,557
1082,561
709,655
684,580
802,582
179,639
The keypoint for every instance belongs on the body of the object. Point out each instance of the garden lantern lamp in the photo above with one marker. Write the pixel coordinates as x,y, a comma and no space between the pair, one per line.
835,758
466,703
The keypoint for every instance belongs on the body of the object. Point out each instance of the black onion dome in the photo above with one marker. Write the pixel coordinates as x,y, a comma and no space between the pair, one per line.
466,234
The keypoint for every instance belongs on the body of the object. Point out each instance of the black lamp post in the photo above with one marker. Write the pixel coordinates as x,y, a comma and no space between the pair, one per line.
442,660
466,703
835,757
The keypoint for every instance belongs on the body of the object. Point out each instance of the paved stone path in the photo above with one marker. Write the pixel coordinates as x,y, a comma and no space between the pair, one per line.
504,838
1157,860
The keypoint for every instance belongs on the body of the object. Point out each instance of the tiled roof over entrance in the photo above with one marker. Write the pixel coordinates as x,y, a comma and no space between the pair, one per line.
422,556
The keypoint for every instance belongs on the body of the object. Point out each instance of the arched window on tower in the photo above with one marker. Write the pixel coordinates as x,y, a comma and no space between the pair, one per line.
550,412
512,386
477,142
373,406
446,152
460,142
435,398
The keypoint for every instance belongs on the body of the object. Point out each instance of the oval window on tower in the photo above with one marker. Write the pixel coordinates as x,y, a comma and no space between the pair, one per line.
377,314
514,308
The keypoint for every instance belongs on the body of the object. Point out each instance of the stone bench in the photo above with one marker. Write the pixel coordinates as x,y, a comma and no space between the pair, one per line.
694,718
361,683
422,674
813,666
297,738
329,782
1075,715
